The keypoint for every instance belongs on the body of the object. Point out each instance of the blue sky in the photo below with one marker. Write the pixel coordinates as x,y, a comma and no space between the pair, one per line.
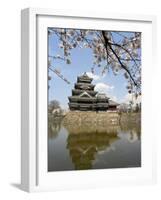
82,60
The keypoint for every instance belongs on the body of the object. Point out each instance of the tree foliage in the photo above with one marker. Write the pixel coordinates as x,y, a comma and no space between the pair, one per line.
118,51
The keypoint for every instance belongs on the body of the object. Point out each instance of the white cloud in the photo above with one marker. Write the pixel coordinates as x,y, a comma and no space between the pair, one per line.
114,98
94,76
103,88
106,89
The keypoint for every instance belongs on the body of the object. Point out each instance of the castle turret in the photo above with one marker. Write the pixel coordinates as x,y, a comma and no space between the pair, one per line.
85,98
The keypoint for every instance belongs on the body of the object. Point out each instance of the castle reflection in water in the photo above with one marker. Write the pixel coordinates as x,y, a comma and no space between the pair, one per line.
93,146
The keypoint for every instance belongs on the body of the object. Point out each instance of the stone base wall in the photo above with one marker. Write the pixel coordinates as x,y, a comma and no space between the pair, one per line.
130,118
100,118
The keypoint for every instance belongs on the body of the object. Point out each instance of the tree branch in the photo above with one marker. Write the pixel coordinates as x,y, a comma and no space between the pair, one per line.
107,44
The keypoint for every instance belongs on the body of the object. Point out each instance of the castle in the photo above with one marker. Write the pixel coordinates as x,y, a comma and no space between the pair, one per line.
85,98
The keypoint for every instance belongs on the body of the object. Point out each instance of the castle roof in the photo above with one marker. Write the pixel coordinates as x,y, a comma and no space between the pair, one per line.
101,96
84,78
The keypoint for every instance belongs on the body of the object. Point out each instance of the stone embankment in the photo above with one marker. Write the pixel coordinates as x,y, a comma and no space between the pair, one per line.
133,118
99,118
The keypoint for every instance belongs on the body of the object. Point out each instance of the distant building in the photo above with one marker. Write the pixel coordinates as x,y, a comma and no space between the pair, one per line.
84,97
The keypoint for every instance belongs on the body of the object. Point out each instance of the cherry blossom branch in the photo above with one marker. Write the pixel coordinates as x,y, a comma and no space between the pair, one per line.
107,44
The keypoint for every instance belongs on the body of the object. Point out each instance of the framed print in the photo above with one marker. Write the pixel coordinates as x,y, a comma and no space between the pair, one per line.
86,100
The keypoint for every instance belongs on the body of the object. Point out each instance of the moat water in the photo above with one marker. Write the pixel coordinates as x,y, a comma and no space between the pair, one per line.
86,146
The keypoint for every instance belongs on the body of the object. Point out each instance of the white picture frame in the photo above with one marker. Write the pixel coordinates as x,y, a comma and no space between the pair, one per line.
34,176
